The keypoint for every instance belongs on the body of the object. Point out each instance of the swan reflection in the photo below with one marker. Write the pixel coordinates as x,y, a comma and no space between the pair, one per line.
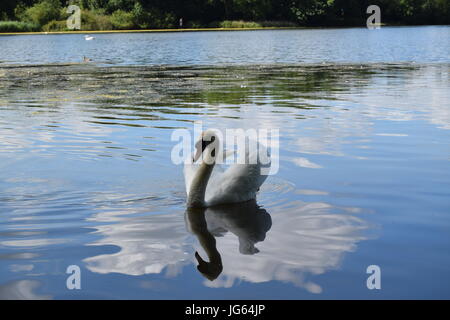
236,242
246,220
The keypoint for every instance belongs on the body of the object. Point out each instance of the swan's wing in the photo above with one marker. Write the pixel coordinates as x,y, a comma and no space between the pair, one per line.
238,183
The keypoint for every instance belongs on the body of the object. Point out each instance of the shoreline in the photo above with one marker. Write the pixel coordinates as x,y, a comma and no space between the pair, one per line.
149,30
194,30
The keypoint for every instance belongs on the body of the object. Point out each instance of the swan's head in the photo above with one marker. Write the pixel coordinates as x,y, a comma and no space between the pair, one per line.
208,141
210,270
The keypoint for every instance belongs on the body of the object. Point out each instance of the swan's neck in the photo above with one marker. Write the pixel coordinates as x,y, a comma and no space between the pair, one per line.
196,196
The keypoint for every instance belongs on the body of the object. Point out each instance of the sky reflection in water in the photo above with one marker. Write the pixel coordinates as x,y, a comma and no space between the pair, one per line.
86,179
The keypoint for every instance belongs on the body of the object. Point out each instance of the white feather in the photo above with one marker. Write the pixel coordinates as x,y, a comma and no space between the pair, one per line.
238,183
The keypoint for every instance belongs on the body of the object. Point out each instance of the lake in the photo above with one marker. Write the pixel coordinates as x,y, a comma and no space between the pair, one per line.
363,179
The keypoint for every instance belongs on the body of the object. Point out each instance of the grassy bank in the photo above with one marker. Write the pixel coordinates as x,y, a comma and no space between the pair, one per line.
18,26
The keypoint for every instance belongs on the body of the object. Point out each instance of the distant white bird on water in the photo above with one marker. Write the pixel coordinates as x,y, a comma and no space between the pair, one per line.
88,37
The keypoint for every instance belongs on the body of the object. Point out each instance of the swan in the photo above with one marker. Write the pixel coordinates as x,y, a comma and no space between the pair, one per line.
88,37
207,184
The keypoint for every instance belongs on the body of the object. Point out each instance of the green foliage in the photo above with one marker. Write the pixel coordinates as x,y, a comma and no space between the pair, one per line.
145,14
3,16
278,24
161,20
125,5
19,11
140,16
239,24
195,24
18,26
305,11
93,5
55,25
167,20
257,24
42,12
94,20
122,20
250,9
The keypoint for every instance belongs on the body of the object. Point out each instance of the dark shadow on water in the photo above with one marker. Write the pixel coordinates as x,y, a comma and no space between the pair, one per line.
246,220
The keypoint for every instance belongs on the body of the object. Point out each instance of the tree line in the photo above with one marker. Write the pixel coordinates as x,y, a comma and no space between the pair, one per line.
51,15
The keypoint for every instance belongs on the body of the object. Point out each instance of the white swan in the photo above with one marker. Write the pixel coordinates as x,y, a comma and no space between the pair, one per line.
207,184
88,37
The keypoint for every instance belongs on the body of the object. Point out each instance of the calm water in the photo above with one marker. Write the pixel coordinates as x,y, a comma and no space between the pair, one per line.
353,45
86,176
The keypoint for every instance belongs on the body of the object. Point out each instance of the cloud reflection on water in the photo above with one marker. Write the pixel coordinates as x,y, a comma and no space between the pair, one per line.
289,242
